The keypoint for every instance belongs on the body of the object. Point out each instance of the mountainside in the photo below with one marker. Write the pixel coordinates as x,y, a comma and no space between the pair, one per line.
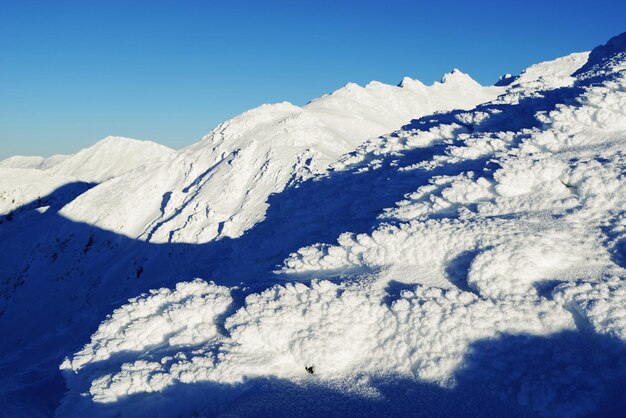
300,261
27,180
218,187
109,158
35,162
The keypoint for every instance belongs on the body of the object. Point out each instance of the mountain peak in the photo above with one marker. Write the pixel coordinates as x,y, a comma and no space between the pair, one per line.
408,82
114,139
456,76
108,158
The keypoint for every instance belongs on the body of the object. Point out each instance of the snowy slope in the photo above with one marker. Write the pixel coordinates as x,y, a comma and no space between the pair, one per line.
470,263
25,180
21,186
109,158
500,270
219,186
35,162
550,74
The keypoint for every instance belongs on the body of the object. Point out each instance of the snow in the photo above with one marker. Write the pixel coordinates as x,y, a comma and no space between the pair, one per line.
26,180
21,186
19,161
165,319
336,329
469,263
35,162
218,187
552,74
507,216
602,304
109,158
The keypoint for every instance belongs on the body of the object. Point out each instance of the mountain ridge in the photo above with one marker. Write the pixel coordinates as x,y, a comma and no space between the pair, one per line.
469,261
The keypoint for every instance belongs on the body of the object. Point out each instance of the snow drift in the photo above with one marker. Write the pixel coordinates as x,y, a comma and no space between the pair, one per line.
470,263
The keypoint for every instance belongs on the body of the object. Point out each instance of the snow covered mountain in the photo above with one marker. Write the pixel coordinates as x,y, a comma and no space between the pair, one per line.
110,157
32,162
299,261
219,186
27,180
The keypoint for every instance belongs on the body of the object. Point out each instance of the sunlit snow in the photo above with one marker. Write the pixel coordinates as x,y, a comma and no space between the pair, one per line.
384,250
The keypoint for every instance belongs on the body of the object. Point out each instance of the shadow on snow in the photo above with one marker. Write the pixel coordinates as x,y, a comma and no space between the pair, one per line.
61,278
561,375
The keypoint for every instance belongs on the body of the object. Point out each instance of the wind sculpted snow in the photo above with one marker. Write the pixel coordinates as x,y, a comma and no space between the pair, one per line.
469,263
219,187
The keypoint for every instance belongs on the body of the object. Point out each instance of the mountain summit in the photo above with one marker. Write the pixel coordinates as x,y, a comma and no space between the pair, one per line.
456,76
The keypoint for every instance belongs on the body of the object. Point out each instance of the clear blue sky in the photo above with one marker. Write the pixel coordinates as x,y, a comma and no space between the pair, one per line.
72,72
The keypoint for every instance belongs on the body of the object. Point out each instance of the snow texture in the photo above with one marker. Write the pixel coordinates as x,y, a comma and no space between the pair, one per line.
470,263
26,180
218,187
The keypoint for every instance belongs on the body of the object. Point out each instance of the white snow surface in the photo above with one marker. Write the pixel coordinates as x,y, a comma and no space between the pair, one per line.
110,157
471,263
25,179
36,162
552,74
21,186
218,187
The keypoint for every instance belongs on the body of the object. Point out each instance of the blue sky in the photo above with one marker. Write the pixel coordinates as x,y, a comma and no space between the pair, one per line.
72,72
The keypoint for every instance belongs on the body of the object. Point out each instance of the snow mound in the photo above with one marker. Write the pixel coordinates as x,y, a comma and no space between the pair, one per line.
602,305
335,329
170,319
19,161
541,181
108,158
